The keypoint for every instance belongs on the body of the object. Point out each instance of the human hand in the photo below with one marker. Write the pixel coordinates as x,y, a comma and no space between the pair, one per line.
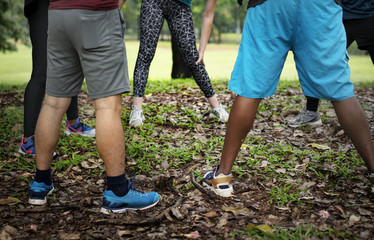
201,59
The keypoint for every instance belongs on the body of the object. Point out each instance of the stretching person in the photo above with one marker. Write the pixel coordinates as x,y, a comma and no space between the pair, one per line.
36,11
86,40
271,29
358,20
179,18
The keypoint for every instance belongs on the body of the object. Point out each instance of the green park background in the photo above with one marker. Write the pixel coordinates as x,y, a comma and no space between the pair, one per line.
15,67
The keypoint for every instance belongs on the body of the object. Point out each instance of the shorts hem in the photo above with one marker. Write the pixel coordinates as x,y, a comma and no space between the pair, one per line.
254,96
61,95
109,93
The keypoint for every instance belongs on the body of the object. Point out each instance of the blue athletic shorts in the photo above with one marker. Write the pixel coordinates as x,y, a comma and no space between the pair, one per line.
312,30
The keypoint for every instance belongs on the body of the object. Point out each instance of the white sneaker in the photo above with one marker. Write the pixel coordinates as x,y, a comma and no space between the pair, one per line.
219,113
136,117
220,185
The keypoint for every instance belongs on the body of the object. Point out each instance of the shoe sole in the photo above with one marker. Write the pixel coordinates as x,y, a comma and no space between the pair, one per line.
22,152
222,193
55,154
40,201
319,122
91,134
109,211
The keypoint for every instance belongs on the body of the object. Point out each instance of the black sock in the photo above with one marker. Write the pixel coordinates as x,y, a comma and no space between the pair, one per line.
312,104
44,176
118,185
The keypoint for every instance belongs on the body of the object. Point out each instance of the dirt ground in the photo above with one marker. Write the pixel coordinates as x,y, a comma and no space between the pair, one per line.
72,212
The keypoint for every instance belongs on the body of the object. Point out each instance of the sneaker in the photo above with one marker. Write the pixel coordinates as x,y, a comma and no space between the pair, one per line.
38,193
305,117
218,184
136,117
219,113
134,199
79,128
29,148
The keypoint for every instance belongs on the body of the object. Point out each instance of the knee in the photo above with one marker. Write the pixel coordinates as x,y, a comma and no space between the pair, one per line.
55,103
109,105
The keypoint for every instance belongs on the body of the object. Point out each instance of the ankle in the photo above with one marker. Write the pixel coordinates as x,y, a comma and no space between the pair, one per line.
44,176
223,171
118,185
72,122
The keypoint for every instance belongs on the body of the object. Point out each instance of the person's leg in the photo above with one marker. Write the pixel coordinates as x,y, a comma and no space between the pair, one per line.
48,129
312,104
179,18
74,124
151,20
242,117
371,52
34,92
72,111
180,23
353,121
109,136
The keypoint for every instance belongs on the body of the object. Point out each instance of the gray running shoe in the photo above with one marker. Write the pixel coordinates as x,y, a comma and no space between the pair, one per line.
219,113
305,117
136,117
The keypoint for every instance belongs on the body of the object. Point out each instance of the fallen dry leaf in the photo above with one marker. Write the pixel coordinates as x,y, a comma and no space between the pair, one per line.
192,235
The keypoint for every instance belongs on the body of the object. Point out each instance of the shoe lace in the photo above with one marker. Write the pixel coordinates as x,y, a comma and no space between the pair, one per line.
132,182
83,126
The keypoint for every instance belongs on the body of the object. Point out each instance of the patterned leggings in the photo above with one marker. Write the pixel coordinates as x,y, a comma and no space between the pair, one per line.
179,19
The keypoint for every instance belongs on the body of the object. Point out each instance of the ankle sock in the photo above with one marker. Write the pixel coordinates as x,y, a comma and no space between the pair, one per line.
118,184
44,176
312,104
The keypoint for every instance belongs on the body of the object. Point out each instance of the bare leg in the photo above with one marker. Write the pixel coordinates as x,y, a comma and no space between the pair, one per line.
137,101
109,134
48,129
242,117
213,101
353,120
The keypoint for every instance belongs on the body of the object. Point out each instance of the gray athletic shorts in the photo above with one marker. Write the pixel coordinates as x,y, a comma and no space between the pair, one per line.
86,44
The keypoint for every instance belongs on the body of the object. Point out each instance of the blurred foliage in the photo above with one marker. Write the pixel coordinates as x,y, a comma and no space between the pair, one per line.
13,25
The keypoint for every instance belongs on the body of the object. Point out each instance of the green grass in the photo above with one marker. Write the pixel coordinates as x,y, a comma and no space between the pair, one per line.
15,67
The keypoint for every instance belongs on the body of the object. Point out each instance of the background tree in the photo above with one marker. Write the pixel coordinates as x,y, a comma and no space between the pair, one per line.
13,25
131,13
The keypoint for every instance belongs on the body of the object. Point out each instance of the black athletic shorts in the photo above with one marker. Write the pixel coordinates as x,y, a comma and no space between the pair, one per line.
361,30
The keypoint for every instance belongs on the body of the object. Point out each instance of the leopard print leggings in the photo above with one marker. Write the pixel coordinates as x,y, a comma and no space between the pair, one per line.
179,19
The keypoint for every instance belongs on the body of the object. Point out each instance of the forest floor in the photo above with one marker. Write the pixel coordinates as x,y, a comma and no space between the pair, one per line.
290,183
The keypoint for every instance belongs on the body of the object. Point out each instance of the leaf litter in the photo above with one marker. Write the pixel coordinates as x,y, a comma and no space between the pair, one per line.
72,211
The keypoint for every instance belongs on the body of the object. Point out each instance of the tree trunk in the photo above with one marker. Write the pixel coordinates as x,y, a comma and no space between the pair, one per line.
180,68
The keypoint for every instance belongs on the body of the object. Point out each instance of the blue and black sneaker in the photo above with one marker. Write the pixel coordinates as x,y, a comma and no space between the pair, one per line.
79,128
38,193
134,199
28,147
